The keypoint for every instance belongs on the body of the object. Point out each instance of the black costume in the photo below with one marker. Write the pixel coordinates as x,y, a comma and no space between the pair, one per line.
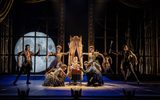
127,63
26,65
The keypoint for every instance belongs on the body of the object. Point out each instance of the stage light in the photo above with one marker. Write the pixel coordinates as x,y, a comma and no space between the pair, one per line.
76,92
128,94
34,39
23,94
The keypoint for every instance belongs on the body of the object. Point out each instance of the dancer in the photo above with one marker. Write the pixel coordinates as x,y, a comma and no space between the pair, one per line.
129,60
94,76
75,70
107,64
55,77
27,64
94,68
92,55
58,54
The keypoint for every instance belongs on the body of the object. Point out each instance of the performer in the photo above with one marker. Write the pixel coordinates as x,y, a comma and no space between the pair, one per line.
93,74
94,66
107,64
75,70
57,62
92,55
55,77
27,64
129,60
75,49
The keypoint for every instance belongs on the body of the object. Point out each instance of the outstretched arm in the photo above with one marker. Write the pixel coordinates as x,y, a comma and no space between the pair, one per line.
116,53
84,53
35,54
65,53
50,54
84,71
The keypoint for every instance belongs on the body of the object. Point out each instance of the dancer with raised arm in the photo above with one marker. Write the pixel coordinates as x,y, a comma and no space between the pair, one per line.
93,67
58,54
128,61
92,55
27,64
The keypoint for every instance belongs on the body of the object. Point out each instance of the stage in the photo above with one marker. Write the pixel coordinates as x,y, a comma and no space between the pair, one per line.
112,89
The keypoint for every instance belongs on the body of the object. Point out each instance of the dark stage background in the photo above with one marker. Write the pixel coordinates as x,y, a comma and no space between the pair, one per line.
97,21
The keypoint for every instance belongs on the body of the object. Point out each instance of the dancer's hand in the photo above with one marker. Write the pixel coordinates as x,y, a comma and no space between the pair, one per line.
136,62
39,46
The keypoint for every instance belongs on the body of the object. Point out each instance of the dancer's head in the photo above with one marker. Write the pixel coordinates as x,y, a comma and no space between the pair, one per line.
85,63
27,47
64,67
125,47
75,59
91,48
59,48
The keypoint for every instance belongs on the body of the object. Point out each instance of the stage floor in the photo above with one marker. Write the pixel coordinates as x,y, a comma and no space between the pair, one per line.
111,88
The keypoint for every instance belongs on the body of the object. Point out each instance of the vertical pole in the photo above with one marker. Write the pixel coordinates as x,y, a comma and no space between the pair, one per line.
117,42
105,36
144,40
61,34
47,40
90,24
10,44
157,55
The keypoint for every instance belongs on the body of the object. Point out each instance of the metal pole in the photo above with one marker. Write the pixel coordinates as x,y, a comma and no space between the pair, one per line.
117,42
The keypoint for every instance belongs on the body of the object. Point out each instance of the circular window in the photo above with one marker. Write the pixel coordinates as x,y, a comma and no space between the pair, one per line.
34,39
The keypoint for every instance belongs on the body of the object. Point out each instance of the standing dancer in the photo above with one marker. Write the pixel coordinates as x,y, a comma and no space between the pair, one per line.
58,54
27,64
129,60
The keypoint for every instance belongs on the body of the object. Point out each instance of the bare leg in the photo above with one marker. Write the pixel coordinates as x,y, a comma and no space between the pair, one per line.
127,74
131,67
122,71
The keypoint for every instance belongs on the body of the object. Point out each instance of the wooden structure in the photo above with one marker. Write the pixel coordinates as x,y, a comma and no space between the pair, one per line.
75,50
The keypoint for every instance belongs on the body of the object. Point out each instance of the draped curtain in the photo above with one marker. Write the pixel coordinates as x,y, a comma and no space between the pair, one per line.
135,3
33,1
5,6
